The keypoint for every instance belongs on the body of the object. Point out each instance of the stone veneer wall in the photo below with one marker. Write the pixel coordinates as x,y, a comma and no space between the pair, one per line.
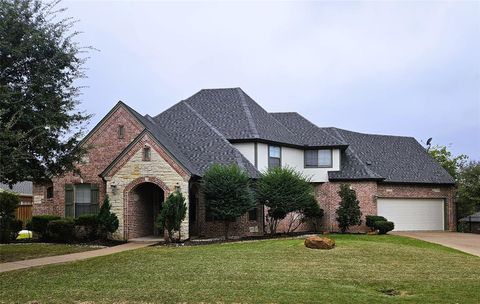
160,170
105,147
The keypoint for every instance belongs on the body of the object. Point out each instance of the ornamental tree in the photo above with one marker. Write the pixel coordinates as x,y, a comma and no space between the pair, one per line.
283,190
348,213
227,193
107,220
173,212
40,63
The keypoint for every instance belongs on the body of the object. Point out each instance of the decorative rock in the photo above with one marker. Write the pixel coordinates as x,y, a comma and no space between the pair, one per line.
316,242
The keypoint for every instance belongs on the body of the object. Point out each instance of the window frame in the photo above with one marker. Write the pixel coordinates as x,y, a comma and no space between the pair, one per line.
318,159
147,156
121,132
279,158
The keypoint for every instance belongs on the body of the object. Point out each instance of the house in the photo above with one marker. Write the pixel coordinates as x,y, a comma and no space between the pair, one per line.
138,160
472,222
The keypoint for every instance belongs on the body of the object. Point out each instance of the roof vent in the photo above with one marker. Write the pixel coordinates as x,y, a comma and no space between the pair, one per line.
369,163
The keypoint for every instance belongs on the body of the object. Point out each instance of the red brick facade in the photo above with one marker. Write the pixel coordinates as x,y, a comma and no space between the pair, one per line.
105,147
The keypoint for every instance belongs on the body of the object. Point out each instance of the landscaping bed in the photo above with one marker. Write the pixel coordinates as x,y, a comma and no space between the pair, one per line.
366,268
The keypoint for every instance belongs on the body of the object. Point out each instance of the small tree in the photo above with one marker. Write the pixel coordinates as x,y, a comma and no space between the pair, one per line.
107,221
283,190
8,204
348,213
172,214
313,213
227,193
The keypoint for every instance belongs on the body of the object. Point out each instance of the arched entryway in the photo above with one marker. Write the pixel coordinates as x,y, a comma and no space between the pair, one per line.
144,200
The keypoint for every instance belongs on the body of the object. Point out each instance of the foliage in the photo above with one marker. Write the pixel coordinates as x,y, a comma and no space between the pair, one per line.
86,227
283,190
39,224
348,213
40,64
383,226
16,226
314,214
173,212
107,221
446,159
8,204
86,220
371,219
60,230
227,193
468,201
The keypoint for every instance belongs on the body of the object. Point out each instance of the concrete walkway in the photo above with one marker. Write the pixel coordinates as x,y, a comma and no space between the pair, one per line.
466,242
57,259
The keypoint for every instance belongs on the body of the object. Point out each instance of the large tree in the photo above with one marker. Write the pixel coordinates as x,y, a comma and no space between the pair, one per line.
283,190
468,200
40,124
447,160
227,193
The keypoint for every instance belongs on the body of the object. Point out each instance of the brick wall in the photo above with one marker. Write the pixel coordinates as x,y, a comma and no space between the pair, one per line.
105,146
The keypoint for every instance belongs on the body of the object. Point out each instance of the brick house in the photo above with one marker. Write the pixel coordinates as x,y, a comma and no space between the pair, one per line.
138,160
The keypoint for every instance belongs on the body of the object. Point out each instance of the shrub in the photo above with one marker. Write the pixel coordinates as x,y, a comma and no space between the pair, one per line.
16,226
313,213
8,204
371,219
107,221
86,227
60,230
384,226
172,214
283,190
227,193
348,213
39,224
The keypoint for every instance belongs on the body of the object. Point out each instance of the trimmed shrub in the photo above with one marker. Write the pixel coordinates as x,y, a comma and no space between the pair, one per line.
314,214
384,226
15,227
60,230
8,203
107,220
371,219
172,214
348,213
86,227
39,224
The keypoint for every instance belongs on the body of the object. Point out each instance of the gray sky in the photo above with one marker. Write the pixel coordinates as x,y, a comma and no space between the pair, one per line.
404,68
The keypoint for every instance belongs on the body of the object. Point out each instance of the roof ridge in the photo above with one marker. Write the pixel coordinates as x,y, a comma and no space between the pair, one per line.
248,113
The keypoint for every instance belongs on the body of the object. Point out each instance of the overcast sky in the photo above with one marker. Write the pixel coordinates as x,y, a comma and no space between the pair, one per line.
400,68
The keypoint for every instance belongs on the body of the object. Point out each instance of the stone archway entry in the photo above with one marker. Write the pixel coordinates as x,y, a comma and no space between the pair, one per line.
144,200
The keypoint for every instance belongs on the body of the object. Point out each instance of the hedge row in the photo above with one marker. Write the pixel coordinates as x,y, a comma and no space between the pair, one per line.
380,223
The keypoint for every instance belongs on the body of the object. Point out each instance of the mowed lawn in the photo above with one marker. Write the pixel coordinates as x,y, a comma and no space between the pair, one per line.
362,269
18,252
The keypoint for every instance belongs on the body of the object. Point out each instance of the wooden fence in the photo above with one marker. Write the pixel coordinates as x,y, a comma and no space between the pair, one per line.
24,213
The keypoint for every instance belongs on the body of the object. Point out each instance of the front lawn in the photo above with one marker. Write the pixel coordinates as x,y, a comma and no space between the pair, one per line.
18,252
362,269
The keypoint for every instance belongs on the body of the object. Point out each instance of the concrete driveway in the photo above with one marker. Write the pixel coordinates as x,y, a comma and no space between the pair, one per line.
467,242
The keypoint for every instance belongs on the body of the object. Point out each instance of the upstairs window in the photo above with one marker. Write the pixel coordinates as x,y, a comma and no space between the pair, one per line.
252,214
318,158
274,157
49,192
146,153
121,131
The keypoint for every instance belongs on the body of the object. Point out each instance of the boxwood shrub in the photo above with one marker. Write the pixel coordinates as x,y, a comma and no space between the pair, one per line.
371,219
60,230
384,226
39,224
86,227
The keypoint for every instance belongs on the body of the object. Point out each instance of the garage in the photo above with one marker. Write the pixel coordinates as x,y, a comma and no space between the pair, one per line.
413,214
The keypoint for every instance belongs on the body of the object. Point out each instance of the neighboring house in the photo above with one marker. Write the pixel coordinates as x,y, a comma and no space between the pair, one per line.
472,222
138,160
24,191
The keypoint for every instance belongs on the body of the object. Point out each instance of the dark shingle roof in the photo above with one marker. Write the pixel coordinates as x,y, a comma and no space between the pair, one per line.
20,188
393,159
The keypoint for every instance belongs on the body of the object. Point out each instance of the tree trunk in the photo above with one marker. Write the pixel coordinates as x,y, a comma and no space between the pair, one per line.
226,227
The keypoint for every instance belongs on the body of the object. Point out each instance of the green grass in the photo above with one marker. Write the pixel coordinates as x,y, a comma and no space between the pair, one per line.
358,270
18,252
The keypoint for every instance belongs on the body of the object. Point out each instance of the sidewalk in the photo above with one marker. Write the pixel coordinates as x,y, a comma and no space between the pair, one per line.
57,259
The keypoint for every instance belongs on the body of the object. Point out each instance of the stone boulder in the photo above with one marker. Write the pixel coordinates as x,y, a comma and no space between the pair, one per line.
316,242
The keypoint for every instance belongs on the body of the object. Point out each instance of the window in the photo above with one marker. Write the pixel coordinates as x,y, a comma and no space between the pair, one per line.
50,192
252,214
318,158
146,153
81,199
274,156
121,131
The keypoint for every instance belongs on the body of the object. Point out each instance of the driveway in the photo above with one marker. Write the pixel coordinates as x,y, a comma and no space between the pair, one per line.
467,242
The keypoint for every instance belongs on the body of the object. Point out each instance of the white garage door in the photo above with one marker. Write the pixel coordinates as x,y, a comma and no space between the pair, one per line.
412,214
